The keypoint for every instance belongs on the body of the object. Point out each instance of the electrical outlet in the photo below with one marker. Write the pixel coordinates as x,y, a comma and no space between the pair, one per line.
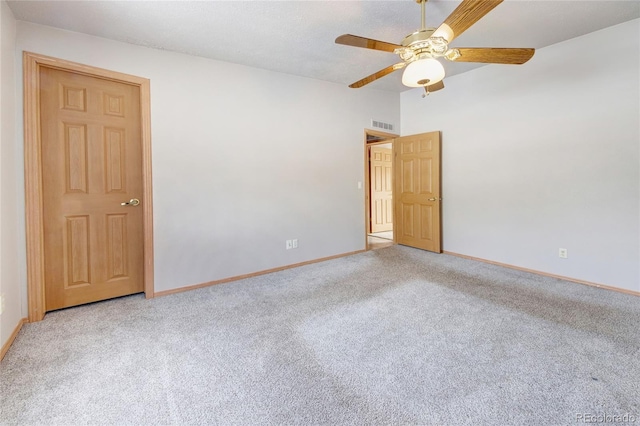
1,303
295,243
563,253
289,244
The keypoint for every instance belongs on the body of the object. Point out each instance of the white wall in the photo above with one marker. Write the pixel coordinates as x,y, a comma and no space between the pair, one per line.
10,281
243,158
544,155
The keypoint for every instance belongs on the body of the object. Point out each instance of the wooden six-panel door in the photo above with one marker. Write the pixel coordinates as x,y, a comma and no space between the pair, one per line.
417,191
91,163
381,166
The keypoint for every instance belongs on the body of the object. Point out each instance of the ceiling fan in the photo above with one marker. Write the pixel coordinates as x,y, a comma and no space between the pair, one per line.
421,49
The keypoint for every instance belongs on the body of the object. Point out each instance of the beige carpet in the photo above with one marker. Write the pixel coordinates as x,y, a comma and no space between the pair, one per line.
386,337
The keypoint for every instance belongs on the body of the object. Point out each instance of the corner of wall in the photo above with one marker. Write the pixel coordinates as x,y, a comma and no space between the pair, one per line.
11,282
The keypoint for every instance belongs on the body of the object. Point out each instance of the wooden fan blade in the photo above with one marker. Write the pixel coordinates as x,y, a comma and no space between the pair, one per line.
433,88
436,86
494,55
466,14
367,43
373,77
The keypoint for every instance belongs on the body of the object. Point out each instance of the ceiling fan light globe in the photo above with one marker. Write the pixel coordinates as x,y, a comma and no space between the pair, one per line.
418,71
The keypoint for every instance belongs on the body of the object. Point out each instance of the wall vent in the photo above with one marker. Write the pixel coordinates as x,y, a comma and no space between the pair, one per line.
381,125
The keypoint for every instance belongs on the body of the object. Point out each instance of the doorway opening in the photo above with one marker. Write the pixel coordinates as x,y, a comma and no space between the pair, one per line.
379,189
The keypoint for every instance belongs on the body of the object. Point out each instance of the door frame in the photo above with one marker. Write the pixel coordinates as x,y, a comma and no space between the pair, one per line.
388,138
34,214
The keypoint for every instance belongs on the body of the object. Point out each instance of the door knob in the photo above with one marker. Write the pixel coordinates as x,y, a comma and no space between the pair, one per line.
432,199
132,202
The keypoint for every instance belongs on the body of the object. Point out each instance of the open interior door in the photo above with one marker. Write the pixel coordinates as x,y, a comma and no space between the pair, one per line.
417,191
380,171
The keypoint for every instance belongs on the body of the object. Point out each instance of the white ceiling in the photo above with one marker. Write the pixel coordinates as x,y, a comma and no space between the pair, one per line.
297,37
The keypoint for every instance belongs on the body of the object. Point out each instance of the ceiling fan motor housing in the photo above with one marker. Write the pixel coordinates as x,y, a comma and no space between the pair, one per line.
420,45
420,35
